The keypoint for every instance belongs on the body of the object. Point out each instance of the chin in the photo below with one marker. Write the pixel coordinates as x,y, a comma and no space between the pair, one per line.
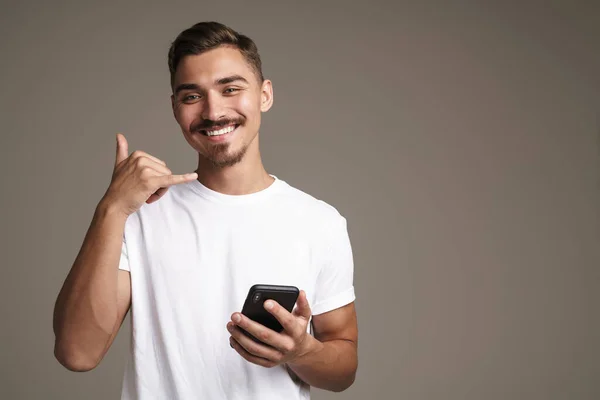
222,157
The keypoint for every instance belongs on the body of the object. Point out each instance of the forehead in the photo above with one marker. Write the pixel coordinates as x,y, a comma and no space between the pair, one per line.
203,69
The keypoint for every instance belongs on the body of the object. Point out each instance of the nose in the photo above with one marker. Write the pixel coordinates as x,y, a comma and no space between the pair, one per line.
213,107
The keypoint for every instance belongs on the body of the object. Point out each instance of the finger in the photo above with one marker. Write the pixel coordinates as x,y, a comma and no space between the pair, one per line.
156,195
156,170
253,347
139,153
122,149
161,191
285,318
147,162
170,180
302,307
260,332
249,357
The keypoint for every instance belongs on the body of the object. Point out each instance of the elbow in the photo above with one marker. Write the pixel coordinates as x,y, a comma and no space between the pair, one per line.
345,384
73,359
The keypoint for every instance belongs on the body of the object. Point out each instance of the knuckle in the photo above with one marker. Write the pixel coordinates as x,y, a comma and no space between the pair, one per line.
146,172
264,335
137,154
139,161
146,181
289,347
252,349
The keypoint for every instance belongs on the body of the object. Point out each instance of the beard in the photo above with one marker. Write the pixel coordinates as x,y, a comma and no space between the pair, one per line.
220,156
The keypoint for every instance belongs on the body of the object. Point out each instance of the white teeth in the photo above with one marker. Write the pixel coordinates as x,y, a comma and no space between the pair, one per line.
221,131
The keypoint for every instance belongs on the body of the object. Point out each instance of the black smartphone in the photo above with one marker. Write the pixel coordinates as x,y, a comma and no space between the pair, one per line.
254,308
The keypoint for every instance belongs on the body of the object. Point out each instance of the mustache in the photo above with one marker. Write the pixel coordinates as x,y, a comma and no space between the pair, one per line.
210,125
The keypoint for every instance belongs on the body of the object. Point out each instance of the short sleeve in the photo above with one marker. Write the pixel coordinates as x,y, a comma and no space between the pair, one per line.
124,261
335,282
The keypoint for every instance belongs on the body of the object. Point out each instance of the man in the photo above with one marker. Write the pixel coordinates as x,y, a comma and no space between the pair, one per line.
183,250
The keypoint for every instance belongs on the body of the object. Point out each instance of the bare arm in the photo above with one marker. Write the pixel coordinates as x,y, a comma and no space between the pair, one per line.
95,297
333,360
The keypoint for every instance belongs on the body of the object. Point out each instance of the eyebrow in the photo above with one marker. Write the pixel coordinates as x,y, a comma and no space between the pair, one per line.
220,81
230,79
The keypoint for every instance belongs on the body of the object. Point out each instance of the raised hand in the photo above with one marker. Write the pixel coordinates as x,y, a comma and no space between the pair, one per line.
139,178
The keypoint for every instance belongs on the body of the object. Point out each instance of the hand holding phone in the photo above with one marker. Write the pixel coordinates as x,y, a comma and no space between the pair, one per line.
283,344
254,308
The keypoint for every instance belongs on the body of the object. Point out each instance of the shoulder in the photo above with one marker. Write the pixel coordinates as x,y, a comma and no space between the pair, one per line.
309,206
160,210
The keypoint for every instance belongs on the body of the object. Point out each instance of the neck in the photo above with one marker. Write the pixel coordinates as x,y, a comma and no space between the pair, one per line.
245,177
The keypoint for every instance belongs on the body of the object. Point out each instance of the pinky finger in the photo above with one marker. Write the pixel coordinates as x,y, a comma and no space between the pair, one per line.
165,181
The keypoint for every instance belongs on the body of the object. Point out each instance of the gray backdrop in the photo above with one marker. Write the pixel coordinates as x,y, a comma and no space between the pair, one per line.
461,142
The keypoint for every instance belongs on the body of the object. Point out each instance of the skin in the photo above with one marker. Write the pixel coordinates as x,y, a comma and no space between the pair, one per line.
327,361
212,89
232,166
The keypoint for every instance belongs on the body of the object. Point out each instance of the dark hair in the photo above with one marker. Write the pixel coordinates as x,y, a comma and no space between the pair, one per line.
205,36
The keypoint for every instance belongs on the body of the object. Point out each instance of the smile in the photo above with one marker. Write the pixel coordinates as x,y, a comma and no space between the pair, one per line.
219,132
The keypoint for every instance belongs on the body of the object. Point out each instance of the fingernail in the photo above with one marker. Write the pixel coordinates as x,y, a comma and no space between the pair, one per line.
268,305
236,318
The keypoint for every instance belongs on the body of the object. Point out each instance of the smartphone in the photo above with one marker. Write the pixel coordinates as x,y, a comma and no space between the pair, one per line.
254,308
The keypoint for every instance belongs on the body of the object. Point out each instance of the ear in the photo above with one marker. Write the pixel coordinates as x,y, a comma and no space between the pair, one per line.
266,96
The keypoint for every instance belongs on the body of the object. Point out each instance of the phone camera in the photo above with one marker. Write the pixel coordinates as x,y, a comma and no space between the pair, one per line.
256,298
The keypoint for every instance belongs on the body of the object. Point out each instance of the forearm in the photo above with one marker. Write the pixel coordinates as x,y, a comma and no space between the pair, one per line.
85,312
328,365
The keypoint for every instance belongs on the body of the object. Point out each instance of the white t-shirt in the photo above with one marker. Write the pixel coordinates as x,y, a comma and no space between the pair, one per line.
193,255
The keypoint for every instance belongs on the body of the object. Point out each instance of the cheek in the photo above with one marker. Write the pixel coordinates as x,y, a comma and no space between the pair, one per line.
184,116
249,107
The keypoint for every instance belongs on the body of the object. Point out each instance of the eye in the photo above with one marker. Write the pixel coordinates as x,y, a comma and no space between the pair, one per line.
190,98
231,90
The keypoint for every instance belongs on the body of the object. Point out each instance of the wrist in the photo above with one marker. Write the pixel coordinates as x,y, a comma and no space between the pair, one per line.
311,346
108,209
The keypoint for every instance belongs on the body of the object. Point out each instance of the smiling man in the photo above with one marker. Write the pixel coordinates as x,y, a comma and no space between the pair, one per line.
182,251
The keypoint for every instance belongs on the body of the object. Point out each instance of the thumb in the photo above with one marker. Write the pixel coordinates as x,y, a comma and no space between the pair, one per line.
302,306
122,149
